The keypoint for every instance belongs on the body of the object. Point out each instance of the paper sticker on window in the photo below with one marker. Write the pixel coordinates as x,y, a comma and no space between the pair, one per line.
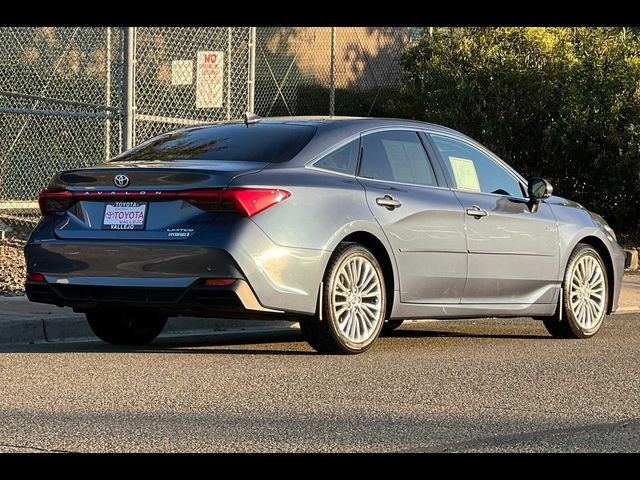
465,174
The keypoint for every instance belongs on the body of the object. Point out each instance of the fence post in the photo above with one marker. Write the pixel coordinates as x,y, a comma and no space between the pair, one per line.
228,66
251,82
332,89
128,120
107,122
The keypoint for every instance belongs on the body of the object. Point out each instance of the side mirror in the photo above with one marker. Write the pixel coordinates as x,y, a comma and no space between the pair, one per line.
539,189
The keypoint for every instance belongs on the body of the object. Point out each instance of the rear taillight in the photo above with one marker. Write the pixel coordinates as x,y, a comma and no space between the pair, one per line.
35,277
250,201
55,200
247,201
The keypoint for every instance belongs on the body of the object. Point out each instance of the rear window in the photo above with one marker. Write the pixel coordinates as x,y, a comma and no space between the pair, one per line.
272,143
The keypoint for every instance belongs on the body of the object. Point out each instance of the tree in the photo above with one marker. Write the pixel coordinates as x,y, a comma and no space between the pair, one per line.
563,103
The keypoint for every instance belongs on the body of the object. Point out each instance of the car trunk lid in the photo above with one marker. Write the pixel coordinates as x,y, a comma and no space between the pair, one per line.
156,192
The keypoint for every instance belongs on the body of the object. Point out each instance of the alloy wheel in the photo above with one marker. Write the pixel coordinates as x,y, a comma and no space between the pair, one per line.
357,299
587,292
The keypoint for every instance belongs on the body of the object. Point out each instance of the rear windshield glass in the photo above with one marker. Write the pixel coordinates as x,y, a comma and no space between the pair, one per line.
272,143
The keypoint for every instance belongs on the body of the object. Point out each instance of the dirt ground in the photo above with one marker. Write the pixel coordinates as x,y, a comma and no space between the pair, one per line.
12,267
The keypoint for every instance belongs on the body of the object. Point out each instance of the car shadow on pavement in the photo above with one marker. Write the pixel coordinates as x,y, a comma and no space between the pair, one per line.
241,343
248,343
409,333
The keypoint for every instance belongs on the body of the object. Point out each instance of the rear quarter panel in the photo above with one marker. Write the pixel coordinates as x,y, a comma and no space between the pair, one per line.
322,210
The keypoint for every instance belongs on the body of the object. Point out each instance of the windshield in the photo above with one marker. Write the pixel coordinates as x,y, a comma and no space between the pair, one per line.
267,142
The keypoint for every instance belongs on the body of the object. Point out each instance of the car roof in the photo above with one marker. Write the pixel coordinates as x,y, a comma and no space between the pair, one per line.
326,122
339,122
333,130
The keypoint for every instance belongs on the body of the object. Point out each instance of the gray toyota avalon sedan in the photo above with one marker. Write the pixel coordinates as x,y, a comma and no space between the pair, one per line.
347,225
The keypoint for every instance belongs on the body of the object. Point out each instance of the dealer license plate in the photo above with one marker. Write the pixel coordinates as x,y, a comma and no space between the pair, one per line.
124,216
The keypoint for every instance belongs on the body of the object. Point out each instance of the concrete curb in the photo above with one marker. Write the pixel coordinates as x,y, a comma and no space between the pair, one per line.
58,330
629,309
24,323
631,259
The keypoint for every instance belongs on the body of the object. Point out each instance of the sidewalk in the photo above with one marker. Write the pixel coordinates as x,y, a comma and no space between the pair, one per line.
24,322
630,294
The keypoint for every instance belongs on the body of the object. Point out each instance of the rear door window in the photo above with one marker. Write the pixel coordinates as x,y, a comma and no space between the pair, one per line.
342,160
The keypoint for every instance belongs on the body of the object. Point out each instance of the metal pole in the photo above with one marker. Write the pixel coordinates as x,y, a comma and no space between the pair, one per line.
252,70
229,73
107,122
332,90
128,122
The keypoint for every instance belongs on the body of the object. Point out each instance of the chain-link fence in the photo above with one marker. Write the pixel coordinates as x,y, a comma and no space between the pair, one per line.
73,97
55,106
174,85
328,70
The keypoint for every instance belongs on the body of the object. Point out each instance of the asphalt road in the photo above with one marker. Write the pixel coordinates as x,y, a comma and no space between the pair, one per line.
475,385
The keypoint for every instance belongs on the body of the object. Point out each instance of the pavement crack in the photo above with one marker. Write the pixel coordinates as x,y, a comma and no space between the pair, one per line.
38,449
513,438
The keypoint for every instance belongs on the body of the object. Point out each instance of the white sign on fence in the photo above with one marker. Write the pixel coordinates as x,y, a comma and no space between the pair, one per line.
209,79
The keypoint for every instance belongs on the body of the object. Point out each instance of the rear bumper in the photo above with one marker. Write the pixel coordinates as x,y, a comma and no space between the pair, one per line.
237,300
279,278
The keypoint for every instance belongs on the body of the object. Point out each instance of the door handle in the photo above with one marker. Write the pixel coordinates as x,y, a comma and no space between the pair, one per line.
477,212
388,202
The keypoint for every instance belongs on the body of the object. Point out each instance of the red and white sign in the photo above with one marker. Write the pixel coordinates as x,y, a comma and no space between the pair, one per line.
209,79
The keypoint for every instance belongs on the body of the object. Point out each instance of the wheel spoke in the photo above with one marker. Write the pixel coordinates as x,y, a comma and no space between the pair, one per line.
373,286
341,287
587,314
370,312
340,312
354,273
598,307
367,277
579,272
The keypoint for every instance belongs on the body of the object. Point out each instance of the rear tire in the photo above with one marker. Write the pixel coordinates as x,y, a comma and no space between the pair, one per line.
353,303
129,327
585,296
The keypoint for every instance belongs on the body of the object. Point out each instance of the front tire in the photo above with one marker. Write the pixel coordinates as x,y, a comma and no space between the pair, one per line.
126,327
585,294
353,303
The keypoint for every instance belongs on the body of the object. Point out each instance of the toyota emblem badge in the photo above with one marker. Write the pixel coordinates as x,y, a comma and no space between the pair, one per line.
121,181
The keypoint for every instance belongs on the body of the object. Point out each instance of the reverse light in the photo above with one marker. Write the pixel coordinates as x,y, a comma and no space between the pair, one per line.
35,277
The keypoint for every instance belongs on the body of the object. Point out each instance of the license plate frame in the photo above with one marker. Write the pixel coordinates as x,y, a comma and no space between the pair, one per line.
127,222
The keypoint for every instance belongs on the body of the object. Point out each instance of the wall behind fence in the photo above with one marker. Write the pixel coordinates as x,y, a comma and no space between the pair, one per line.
296,71
74,97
